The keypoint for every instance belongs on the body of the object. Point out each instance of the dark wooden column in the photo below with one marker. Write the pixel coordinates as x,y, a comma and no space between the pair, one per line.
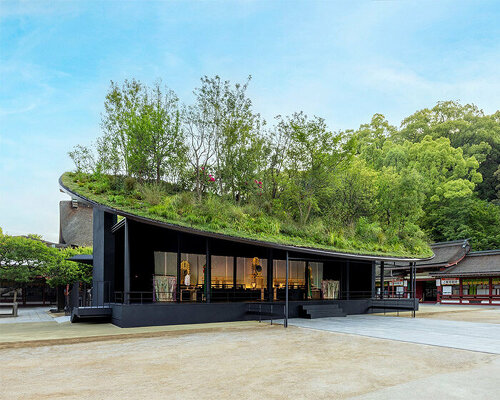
208,275
491,290
126,263
307,278
270,273
235,271
374,278
381,279
75,295
103,253
178,290
286,291
410,281
414,286
347,283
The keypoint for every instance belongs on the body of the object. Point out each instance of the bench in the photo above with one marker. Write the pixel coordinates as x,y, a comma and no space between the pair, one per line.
13,313
12,305
392,305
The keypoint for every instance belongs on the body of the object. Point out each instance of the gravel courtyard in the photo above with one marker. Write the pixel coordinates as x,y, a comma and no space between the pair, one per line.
258,362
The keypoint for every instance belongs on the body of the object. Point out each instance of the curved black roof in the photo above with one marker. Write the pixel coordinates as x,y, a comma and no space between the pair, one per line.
278,246
446,254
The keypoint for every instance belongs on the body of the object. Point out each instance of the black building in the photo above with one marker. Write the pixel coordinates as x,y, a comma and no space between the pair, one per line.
148,272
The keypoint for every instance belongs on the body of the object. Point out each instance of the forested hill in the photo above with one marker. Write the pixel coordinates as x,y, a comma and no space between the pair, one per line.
454,150
215,164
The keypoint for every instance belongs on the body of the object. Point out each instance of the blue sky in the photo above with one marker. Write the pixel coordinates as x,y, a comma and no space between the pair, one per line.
343,61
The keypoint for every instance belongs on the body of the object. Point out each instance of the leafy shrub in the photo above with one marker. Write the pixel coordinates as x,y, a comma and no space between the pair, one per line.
151,193
100,186
369,231
116,183
129,184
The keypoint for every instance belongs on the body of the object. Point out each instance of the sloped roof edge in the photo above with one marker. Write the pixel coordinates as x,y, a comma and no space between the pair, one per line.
195,231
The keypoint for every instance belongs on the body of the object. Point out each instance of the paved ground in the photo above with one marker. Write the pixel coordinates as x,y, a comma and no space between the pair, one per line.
467,313
483,337
260,362
27,314
49,333
50,360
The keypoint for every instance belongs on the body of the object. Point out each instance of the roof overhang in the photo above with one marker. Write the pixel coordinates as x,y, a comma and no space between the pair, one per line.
82,258
465,274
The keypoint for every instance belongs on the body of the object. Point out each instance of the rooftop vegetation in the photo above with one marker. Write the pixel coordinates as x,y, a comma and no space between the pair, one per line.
253,220
216,165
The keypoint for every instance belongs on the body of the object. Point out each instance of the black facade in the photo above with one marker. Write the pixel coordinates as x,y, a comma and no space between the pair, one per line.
124,270
146,272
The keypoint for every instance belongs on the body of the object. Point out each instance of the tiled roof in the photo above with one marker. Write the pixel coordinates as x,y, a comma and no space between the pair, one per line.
475,263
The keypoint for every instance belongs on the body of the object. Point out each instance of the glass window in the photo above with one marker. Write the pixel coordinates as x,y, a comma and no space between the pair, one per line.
483,289
165,263
192,264
222,272
317,274
251,273
296,275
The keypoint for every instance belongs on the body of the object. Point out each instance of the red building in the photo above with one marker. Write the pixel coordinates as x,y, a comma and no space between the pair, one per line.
455,275
474,280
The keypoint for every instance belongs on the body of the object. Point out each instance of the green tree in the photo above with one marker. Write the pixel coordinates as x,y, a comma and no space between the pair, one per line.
26,258
497,187
369,139
446,173
120,122
200,137
83,158
62,271
399,197
469,217
224,133
312,155
276,146
467,128
22,259
351,193
166,138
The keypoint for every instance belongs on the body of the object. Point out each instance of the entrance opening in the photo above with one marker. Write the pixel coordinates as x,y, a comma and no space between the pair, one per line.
429,291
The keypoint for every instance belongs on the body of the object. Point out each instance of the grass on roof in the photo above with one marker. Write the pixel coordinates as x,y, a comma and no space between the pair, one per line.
251,221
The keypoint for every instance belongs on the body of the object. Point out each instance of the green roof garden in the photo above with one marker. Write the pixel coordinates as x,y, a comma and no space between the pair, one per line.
217,214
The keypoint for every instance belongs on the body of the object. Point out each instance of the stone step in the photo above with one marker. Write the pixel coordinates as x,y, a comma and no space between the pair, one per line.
315,307
324,314
312,311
